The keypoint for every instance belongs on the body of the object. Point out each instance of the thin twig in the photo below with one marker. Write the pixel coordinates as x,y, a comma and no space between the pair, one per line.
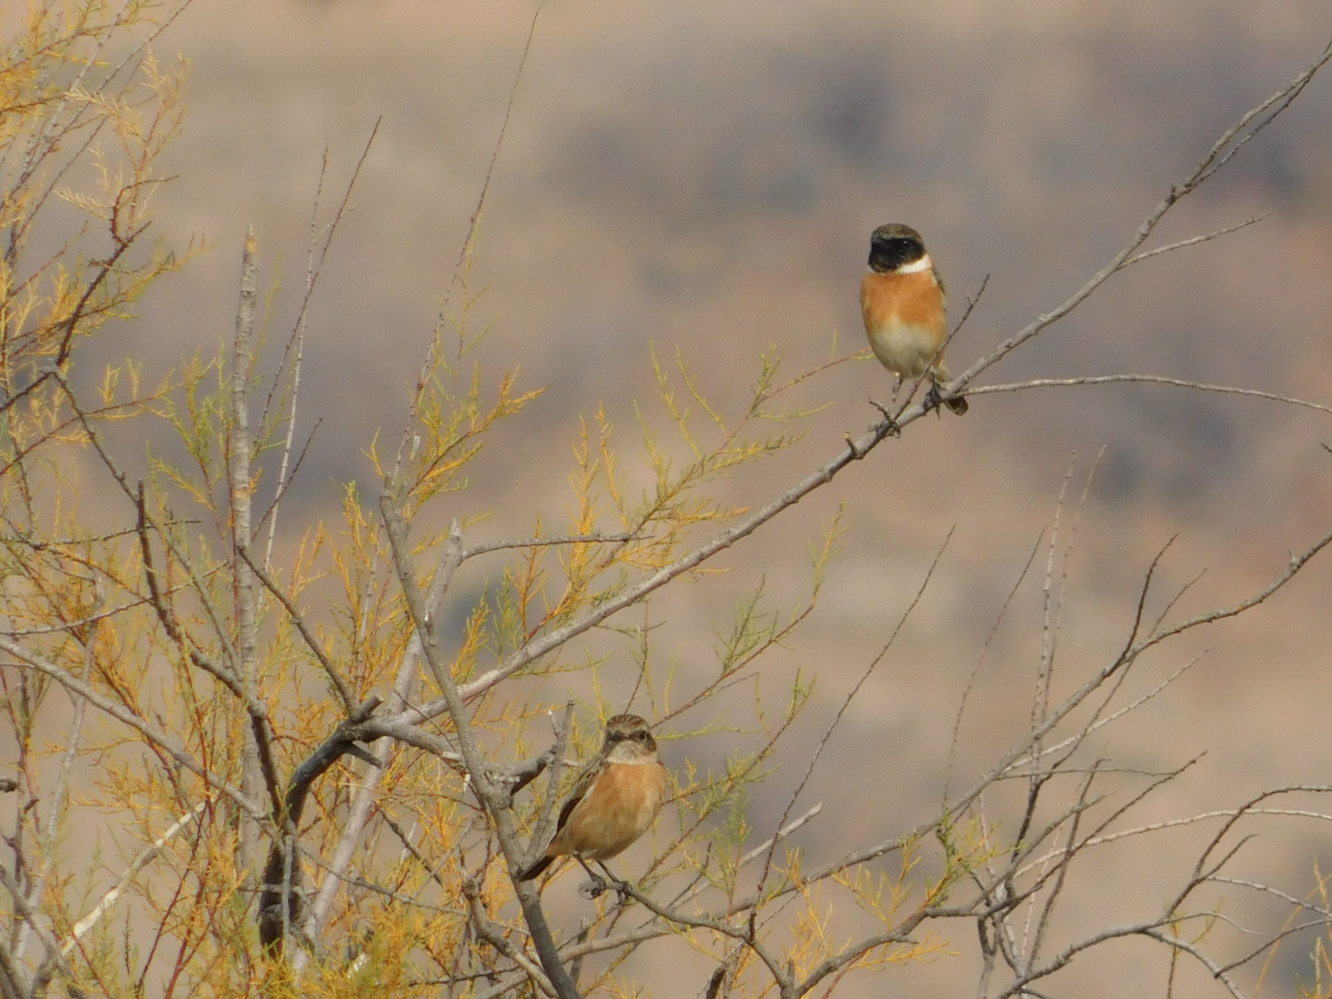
142,860
846,703
169,743
1033,383
312,643
596,537
492,799
1169,247
296,343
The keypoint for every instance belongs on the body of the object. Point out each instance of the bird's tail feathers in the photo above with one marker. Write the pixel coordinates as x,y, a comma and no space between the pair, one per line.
535,870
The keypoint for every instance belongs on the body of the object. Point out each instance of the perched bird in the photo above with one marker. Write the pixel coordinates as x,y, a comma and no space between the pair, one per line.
614,800
902,298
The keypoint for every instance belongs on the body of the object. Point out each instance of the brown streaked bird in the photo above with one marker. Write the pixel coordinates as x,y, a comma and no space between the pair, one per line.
614,800
903,301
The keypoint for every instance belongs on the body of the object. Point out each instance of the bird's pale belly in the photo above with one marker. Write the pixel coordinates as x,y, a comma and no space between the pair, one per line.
904,349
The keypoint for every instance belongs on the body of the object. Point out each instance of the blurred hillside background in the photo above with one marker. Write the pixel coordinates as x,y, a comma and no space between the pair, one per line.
702,178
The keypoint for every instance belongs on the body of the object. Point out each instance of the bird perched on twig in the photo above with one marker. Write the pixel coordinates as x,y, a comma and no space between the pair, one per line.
614,800
904,305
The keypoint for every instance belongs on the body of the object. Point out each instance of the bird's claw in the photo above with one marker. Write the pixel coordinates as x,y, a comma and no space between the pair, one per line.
933,400
597,886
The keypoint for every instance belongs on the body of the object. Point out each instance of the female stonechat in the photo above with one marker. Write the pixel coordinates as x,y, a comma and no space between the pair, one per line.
614,800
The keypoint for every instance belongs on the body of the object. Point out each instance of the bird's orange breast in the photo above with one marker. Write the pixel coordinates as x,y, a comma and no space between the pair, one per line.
904,318
617,809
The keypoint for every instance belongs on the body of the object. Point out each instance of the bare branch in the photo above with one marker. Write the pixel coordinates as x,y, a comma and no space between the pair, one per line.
1145,379
298,619
568,539
295,349
1169,247
1222,150
491,798
846,703
164,740
142,860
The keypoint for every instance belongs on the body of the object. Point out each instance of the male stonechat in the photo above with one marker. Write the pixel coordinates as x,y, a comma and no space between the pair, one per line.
902,298
613,802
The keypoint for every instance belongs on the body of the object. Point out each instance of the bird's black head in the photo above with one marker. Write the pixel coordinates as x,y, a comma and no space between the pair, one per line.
893,245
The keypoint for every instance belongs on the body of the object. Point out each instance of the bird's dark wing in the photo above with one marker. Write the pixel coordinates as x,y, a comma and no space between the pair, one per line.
585,781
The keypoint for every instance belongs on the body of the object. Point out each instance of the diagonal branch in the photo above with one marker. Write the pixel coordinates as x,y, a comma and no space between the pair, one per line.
492,799
1229,143
166,741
